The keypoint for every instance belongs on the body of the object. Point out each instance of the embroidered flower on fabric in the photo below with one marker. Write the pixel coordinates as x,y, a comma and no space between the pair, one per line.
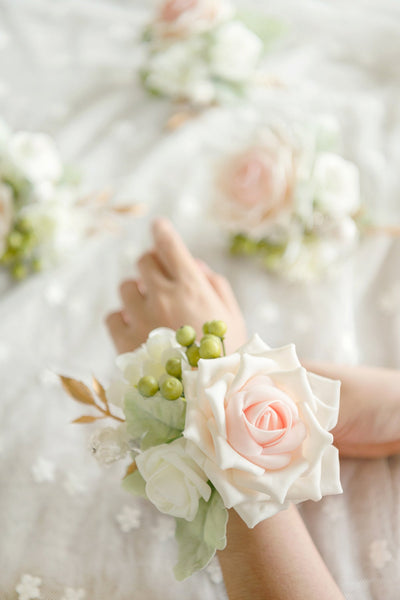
28,587
164,529
214,572
74,594
74,484
43,470
379,554
129,518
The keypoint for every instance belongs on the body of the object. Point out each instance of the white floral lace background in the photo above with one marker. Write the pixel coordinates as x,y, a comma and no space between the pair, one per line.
69,67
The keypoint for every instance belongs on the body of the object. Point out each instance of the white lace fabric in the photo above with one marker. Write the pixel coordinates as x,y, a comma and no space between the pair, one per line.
68,532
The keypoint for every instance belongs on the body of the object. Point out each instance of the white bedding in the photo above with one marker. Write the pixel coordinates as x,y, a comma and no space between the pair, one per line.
69,67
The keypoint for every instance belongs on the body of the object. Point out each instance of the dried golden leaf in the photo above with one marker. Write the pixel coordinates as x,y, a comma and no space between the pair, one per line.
131,209
100,391
78,390
131,469
86,419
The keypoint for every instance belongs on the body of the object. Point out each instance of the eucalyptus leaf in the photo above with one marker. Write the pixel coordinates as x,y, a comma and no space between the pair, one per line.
135,484
153,420
199,539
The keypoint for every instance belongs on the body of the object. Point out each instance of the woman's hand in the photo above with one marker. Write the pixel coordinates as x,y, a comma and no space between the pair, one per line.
173,290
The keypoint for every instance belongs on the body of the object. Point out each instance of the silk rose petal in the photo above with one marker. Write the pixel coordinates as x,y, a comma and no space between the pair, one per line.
256,423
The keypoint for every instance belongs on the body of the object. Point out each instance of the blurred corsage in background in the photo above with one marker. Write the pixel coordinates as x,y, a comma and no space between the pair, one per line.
205,52
45,212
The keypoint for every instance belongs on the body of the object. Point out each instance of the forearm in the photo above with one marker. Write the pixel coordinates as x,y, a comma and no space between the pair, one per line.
277,560
369,414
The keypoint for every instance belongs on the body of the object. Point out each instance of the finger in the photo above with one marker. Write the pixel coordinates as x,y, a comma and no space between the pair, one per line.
151,271
220,284
119,331
171,250
131,292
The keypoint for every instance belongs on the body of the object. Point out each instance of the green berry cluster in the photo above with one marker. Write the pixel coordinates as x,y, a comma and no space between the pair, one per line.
211,344
19,254
268,252
170,384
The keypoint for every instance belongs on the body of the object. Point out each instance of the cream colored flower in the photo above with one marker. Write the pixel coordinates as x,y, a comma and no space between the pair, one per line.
174,482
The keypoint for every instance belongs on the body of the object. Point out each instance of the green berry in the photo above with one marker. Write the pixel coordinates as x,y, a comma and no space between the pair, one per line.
174,367
210,347
217,328
241,244
15,240
186,335
170,387
148,386
37,265
193,355
19,271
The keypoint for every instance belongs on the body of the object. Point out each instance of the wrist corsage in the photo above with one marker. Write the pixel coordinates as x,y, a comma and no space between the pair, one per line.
289,199
207,432
44,212
202,52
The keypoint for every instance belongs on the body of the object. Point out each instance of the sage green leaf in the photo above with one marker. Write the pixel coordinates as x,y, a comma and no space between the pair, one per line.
135,484
153,420
199,539
266,28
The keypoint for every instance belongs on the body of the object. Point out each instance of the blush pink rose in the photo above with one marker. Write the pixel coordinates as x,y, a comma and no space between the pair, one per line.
258,424
256,186
263,423
182,18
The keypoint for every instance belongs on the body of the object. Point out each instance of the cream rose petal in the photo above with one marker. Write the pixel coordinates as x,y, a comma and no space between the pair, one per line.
254,511
328,408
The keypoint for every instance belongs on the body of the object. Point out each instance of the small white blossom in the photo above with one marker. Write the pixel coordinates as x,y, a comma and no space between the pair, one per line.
74,594
43,470
74,485
129,518
110,444
28,587
164,529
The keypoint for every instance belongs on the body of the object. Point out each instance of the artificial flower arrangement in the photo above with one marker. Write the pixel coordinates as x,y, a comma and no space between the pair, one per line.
205,432
44,213
290,199
203,52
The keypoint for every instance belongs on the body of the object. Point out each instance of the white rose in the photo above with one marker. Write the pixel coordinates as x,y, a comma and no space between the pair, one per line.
337,184
6,214
258,426
174,482
183,18
235,52
36,155
151,357
110,444
179,71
